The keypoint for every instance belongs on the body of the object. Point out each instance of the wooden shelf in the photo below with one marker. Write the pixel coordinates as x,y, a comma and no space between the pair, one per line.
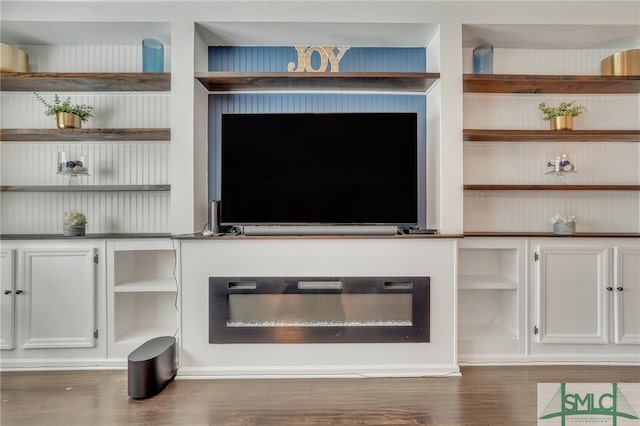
482,187
85,82
86,188
493,135
357,81
517,83
111,135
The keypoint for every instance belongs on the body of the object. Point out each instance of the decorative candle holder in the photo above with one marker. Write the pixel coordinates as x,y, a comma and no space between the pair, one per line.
483,59
152,55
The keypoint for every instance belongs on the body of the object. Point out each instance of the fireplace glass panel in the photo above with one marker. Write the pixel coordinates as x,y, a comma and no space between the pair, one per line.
319,310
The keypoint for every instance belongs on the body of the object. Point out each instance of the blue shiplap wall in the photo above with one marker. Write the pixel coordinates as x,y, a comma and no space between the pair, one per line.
275,59
356,59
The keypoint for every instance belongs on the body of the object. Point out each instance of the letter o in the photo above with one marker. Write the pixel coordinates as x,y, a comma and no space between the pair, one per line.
323,59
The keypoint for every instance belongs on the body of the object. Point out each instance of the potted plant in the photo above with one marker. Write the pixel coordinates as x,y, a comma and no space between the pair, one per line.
561,117
563,224
74,224
67,115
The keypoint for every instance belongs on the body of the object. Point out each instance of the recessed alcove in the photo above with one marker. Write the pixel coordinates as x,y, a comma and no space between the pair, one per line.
264,100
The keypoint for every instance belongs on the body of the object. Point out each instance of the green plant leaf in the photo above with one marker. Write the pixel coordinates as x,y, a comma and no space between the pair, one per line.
51,109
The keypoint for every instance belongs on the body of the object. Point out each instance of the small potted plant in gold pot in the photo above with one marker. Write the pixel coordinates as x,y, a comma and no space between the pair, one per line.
68,115
561,117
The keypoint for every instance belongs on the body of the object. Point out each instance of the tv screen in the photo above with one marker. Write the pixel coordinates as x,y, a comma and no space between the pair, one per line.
319,168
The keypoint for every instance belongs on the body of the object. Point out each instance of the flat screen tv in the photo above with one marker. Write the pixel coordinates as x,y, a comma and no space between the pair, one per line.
319,168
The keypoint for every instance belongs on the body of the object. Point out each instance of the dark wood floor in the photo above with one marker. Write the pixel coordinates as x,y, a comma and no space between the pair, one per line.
482,396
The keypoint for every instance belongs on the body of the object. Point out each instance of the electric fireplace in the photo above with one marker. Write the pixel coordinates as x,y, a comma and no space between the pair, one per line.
318,309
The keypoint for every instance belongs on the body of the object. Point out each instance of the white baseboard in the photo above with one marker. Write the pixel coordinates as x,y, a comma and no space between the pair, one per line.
62,364
351,371
549,359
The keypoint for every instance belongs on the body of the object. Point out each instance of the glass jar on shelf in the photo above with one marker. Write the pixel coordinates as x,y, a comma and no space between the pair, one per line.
73,165
560,165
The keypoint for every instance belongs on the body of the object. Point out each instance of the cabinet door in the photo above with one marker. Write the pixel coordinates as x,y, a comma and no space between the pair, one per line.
572,299
626,305
7,291
58,306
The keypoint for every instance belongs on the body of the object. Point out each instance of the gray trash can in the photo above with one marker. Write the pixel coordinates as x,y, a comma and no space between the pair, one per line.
151,367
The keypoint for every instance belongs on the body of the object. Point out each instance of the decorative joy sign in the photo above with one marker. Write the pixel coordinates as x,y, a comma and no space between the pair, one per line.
327,54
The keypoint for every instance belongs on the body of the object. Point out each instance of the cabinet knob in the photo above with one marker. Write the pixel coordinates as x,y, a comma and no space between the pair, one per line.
609,288
7,292
19,292
619,288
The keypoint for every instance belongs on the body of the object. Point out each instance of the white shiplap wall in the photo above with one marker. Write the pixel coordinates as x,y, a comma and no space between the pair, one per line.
525,162
117,163
110,163
111,109
88,58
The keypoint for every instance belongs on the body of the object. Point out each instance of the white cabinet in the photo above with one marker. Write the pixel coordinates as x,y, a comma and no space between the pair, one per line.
572,295
626,288
586,299
56,310
58,300
491,298
582,304
51,302
7,301
142,293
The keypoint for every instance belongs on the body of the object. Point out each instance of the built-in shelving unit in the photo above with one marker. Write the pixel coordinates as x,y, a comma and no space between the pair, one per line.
573,84
143,291
356,81
85,82
110,135
125,168
509,199
522,139
491,289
